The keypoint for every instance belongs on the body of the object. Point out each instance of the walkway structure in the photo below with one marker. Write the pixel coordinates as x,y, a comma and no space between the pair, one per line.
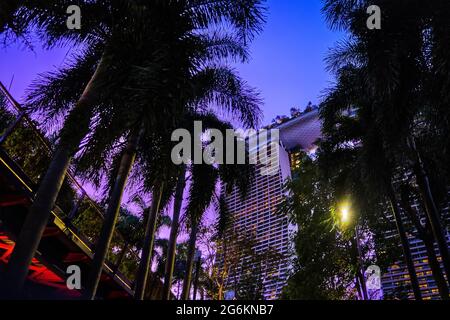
73,227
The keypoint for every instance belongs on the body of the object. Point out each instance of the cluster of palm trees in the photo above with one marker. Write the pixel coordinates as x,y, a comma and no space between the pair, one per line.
386,120
144,68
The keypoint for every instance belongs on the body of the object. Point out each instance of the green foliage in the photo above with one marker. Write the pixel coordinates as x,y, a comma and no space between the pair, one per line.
240,267
401,86
169,61
391,88
254,269
5,116
88,222
131,226
23,146
324,268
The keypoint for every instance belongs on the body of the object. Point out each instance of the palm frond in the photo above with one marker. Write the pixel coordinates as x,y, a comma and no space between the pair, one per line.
223,87
246,16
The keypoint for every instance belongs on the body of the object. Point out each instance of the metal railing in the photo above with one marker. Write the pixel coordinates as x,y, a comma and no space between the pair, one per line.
31,151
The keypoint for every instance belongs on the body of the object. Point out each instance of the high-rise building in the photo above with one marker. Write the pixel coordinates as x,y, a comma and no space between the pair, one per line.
258,215
396,282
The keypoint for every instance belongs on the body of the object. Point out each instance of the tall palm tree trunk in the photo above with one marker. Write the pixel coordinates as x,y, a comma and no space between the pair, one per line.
436,268
404,242
436,226
75,128
196,279
190,262
426,235
431,208
147,249
358,286
111,215
153,282
35,224
171,252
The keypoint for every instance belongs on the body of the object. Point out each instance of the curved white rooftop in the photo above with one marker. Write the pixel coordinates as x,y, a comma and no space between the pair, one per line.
301,132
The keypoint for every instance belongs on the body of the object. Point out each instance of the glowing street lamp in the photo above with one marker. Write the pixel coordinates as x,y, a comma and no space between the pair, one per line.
345,214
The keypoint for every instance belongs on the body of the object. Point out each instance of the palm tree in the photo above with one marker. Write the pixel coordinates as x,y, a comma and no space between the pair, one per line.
159,258
357,138
424,233
108,47
191,15
130,226
211,122
373,154
18,17
159,178
171,253
217,84
406,72
204,180
147,250
112,211
153,223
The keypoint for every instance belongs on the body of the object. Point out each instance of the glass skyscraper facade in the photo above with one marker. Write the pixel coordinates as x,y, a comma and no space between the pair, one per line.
258,214
396,281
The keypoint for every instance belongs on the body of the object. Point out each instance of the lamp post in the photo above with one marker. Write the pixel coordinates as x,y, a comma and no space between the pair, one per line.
345,217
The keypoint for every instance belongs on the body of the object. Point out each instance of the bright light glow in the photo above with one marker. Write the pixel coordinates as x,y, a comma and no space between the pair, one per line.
345,214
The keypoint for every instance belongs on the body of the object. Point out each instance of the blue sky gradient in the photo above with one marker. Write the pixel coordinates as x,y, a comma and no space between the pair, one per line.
288,57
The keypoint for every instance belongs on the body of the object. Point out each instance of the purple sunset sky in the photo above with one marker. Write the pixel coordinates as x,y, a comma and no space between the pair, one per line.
287,64
286,67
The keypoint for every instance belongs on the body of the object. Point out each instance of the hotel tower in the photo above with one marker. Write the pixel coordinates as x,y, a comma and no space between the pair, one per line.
258,212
